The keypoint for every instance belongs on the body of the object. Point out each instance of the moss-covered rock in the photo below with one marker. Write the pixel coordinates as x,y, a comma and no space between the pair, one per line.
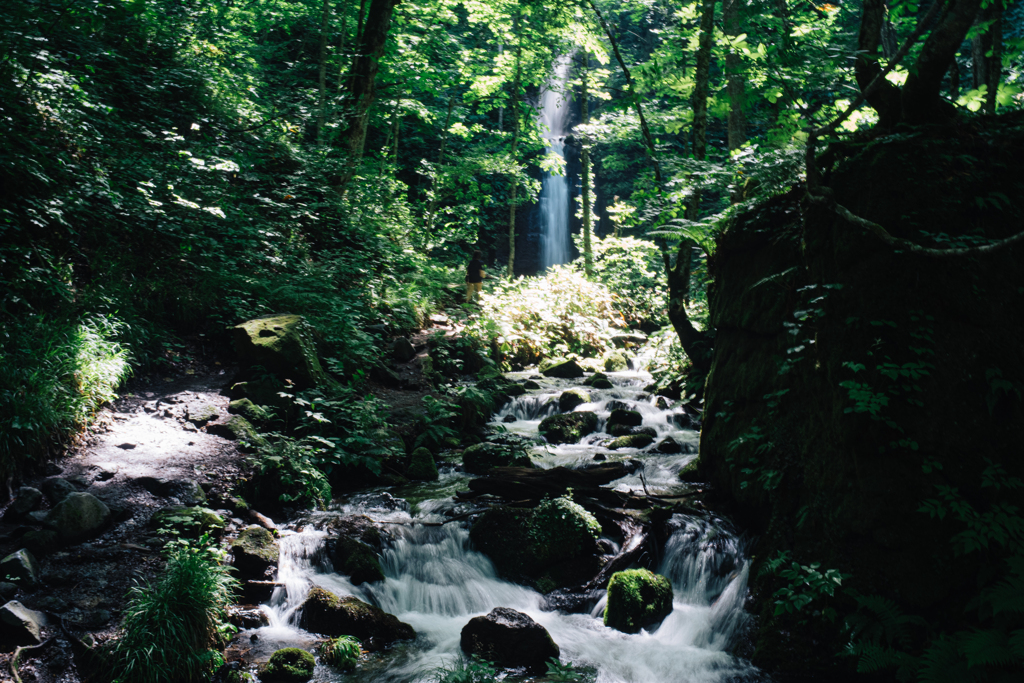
602,384
589,381
481,457
626,418
255,551
560,367
560,529
571,398
513,390
568,427
290,665
637,598
326,613
357,560
79,517
530,385
631,441
207,413
190,522
237,428
691,471
669,446
422,466
615,361
284,345
255,414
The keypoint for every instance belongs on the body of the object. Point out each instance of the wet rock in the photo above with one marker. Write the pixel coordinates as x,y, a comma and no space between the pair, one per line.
57,489
629,418
258,592
571,398
530,385
289,665
20,625
599,457
282,344
25,501
637,598
631,441
79,517
560,367
326,613
615,361
403,350
508,419
20,567
359,527
513,390
190,522
247,617
510,639
262,520
568,427
683,420
662,403
668,446
422,466
7,590
481,457
357,560
255,552
589,381
602,384
385,501
689,472
630,339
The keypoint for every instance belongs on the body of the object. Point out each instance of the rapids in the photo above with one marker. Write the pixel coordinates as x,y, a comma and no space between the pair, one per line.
436,581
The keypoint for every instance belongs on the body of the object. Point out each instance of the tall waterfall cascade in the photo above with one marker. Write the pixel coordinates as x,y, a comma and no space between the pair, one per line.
554,194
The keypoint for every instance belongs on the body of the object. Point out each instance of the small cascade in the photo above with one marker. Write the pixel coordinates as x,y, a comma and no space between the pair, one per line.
554,195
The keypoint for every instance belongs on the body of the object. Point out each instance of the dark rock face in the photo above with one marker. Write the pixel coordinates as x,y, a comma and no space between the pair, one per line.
510,639
326,613
357,560
637,598
568,427
57,489
571,398
627,418
26,500
481,457
560,367
403,350
255,552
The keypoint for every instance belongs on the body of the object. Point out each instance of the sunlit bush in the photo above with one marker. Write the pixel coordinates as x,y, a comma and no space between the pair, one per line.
632,269
558,314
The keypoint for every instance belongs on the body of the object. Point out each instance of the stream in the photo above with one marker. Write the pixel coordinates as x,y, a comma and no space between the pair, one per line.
437,582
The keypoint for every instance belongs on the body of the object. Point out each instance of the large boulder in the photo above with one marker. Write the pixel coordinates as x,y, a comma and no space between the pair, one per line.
326,613
422,466
403,350
289,665
26,500
57,489
479,458
237,428
187,491
255,552
640,440
79,517
598,380
20,567
637,598
356,559
284,345
560,367
615,361
510,639
190,522
625,418
571,398
568,427
20,625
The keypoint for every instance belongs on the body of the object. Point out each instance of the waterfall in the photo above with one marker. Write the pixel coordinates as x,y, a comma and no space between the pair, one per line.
554,195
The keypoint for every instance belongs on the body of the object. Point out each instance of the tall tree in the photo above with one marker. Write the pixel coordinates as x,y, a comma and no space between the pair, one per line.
735,79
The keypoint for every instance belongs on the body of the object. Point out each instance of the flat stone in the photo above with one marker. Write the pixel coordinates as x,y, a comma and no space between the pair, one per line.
20,625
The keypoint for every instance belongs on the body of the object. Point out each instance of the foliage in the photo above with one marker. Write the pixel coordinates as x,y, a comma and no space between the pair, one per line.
437,423
568,673
463,670
289,470
169,627
342,652
807,584
558,314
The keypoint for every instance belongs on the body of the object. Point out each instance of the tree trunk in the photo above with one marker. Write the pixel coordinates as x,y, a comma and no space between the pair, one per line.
432,209
954,80
322,117
363,90
886,97
516,83
342,10
987,55
588,255
699,98
396,128
735,84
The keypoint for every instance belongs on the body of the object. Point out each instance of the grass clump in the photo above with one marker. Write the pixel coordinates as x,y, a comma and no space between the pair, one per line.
342,652
171,626
463,670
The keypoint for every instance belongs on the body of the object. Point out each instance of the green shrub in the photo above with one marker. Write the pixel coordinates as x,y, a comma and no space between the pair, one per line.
170,626
288,470
634,272
462,670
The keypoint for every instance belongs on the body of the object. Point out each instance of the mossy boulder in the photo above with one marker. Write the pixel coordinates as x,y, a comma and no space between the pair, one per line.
589,381
422,466
691,471
669,446
237,428
568,427
530,385
255,551
79,517
357,560
326,613
631,441
552,545
625,418
255,414
190,522
284,345
561,367
479,458
207,413
637,598
571,398
615,361
513,390
290,665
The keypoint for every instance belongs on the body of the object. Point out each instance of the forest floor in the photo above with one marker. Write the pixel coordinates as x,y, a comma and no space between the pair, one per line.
137,457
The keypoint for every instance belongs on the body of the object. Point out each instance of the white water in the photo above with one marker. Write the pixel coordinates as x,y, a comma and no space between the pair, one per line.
436,582
554,195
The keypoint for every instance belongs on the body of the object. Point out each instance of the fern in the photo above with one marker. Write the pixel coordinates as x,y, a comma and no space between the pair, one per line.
987,648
